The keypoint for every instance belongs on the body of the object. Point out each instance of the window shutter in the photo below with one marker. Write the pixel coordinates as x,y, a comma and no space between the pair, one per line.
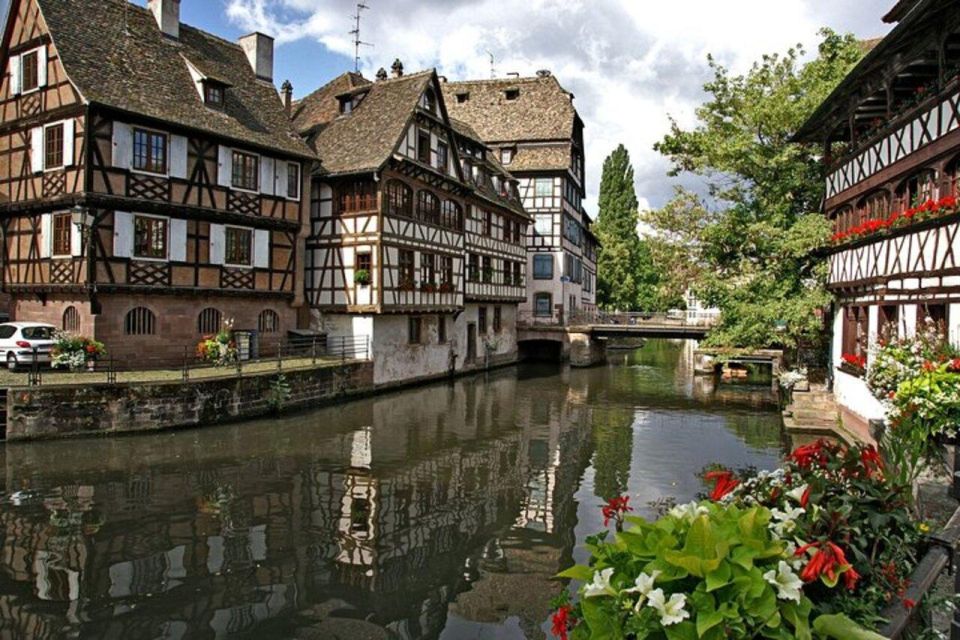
14,75
36,149
225,170
282,170
178,157
76,241
267,176
69,142
122,234
122,145
261,249
42,66
178,240
46,234
217,244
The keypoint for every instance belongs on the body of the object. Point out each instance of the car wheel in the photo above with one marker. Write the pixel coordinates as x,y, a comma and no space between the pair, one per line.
11,362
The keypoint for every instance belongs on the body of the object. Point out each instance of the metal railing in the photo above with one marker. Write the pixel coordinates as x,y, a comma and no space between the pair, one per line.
580,317
127,364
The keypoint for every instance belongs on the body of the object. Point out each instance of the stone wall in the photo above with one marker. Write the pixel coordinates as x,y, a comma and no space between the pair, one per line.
101,409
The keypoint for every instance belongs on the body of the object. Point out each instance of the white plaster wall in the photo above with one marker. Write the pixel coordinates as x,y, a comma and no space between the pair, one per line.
909,314
495,344
851,393
953,315
396,360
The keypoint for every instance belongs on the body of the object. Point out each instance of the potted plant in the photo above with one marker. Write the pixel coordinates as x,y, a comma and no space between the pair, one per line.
407,284
219,350
362,277
75,352
446,287
428,287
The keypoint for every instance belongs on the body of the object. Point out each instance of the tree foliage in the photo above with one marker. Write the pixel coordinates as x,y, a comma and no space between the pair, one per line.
626,276
746,244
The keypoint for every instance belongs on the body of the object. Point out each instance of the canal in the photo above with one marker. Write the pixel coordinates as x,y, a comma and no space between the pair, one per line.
438,512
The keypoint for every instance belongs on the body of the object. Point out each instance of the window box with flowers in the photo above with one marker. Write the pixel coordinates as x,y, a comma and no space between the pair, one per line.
446,287
362,277
853,364
428,287
927,210
75,353
407,284
220,350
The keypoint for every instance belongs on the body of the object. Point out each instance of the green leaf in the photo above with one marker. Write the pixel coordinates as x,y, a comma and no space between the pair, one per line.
603,624
702,551
685,630
577,572
720,577
707,620
840,627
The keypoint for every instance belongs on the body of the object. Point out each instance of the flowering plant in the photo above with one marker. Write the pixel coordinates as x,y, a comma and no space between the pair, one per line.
220,350
74,352
924,211
860,362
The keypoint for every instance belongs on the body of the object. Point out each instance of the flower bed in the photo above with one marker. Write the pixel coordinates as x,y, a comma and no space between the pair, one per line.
74,352
220,350
814,549
925,211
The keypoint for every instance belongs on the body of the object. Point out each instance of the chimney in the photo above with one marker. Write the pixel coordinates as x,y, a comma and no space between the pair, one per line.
286,90
167,15
544,73
397,68
381,74
259,50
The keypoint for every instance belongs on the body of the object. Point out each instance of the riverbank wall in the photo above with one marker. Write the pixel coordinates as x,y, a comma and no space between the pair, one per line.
48,412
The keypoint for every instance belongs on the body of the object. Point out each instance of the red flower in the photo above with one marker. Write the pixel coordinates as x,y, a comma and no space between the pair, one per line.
854,360
615,508
805,498
909,604
871,460
561,621
828,559
724,483
955,364
850,578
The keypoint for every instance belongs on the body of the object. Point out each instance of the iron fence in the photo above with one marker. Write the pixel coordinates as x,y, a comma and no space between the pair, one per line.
679,318
124,364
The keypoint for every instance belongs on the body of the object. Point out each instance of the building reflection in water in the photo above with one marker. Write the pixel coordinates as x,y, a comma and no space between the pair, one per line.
430,513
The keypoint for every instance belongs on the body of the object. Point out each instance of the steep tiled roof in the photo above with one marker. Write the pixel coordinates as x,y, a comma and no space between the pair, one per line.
901,9
322,106
366,138
541,110
115,54
553,157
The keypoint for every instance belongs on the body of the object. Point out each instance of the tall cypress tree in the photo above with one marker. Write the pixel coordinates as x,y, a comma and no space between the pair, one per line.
626,279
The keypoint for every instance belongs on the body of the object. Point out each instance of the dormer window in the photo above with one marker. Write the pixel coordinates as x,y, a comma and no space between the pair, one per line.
213,94
463,97
428,101
346,105
506,156
511,94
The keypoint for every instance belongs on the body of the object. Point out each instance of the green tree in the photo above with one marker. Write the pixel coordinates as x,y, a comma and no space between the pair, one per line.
747,244
627,279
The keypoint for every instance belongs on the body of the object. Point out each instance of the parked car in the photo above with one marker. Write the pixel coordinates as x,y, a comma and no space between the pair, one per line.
21,342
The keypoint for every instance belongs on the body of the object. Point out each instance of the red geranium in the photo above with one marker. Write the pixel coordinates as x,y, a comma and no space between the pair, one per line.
854,360
724,483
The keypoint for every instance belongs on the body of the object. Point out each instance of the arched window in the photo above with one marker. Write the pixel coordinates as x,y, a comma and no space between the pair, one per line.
842,218
209,321
268,322
140,322
399,199
951,177
871,206
428,207
71,320
452,215
917,189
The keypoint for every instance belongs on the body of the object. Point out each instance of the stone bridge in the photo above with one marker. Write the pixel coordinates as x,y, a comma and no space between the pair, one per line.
582,338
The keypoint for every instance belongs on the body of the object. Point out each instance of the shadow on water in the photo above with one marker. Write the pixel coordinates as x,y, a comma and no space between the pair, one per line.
437,512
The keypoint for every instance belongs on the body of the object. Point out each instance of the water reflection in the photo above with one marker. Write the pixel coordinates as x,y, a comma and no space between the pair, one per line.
438,512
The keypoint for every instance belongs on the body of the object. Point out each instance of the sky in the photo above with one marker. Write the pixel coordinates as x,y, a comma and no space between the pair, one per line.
630,63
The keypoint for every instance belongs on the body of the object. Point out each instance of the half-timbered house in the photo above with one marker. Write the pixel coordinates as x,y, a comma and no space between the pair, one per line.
150,179
534,129
891,139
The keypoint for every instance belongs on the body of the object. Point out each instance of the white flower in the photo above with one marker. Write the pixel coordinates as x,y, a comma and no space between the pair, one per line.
671,611
643,586
600,585
689,512
789,514
797,494
787,583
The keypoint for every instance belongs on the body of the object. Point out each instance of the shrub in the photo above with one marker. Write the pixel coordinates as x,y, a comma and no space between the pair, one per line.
219,350
74,352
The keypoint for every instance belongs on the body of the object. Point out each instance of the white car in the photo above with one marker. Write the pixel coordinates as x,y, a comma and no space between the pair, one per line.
21,342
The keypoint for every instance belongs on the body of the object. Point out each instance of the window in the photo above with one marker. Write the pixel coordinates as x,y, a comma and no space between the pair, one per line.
399,199
855,331
506,156
415,330
71,320
268,321
463,97
209,321
406,269
423,147
428,207
917,189
149,151
517,233
293,181
446,270
441,329
428,269
934,312
364,262
543,187
357,196
30,71
443,156
543,267
140,322
61,234
888,321
213,94
7,331
517,274
544,225
511,94
497,319
428,101
53,146
487,269
473,268
482,320
451,215
488,224
246,171
239,247
150,237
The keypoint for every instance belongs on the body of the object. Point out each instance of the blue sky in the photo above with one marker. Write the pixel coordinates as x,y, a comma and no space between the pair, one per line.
631,64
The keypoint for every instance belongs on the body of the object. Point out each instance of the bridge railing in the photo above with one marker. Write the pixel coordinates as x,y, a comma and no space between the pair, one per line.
533,319
581,317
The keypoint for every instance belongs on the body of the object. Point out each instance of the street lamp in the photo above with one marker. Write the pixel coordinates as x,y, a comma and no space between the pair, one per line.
81,218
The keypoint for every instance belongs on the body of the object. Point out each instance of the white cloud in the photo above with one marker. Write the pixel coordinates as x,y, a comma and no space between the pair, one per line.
630,63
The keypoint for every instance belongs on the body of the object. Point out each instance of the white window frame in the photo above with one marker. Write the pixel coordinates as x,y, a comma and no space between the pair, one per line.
259,157
133,146
133,240
299,181
253,243
63,144
53,227
41,73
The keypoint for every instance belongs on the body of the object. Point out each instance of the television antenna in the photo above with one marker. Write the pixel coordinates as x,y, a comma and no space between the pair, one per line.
355,32
493,68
